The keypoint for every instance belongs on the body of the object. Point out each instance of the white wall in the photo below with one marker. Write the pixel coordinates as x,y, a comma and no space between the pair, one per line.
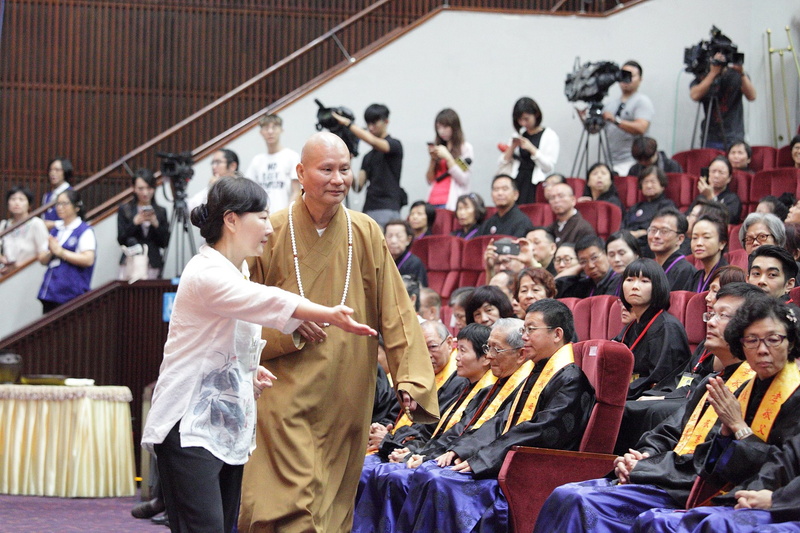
479,64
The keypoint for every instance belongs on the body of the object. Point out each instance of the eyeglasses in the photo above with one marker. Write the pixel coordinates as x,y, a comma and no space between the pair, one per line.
761,238
770,341
63,204
215,162
530,329
565,259
594,259
434,346
663,231
488,349
711,315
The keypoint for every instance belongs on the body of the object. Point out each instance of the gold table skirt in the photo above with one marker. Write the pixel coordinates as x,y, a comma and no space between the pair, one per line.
73,442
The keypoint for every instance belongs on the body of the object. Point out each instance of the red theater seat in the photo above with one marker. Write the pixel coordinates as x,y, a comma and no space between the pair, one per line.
529,475
738,258
627,190
775,182
614,319
441,255
784,157
540,214
764,158
693,321
604,217
693,160
681,189
445,222
740,184
733,237
678,301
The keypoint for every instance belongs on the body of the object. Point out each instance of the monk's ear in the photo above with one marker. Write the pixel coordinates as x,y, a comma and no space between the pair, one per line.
300,170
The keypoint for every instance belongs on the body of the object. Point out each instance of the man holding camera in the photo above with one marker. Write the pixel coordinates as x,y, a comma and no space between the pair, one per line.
720,92
381,167
626,117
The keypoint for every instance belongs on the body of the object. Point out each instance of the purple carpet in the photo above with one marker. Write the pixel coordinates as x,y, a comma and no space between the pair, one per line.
29,514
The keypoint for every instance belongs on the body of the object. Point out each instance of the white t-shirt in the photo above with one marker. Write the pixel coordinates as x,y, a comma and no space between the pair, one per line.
275,173
87,240
212,352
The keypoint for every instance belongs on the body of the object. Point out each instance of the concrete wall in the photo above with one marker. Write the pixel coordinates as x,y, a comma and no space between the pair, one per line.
479,64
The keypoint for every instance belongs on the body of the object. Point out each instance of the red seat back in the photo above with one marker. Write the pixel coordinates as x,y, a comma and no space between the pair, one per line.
627,190
678,301
571,303
740,184
601,307
681,189
693,321
733,238
441,255
775,182
784,157
444,223
764,158
614,319
582,313
738,258
604,217
693,160
540,214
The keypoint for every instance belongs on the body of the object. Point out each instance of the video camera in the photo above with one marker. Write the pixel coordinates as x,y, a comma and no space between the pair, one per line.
178,168
325,120
699,58
590,83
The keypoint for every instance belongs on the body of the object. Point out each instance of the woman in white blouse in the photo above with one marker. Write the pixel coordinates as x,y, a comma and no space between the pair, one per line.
25,241
202,421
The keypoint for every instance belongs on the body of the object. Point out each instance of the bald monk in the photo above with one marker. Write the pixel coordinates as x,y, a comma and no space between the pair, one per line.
313,426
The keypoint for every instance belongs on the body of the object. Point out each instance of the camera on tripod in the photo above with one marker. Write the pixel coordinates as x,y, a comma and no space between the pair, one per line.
699,58
590,83
325,120
178,168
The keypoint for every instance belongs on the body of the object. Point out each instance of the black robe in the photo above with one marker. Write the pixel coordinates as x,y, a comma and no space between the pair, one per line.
662,350
558,421
699,282
410,264
584,287
386,407
681,274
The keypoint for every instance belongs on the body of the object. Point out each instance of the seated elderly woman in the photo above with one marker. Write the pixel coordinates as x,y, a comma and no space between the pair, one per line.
470,212
486,305
652,183
25,241
739,154
715,188
761,228
795,150
600,186
532,285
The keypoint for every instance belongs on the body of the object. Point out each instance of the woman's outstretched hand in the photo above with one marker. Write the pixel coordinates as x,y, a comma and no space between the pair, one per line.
341,316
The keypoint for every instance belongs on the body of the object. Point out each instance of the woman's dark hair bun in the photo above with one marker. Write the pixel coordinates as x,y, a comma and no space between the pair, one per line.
200,215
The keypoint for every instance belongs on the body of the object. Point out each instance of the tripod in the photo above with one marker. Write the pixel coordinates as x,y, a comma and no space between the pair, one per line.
713,107
180,220
592,124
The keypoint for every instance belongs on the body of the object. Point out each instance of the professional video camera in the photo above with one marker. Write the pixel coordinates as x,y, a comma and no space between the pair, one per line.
590,83
700,57
178,168
325,120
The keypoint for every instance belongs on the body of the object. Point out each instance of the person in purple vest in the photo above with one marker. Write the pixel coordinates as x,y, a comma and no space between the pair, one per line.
70,255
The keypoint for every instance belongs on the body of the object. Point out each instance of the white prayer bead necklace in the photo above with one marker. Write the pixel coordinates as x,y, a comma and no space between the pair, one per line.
349,253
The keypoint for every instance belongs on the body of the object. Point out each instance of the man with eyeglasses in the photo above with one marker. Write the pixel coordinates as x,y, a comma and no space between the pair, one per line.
550,410
774,271
569,225
664,237
661,470
598,277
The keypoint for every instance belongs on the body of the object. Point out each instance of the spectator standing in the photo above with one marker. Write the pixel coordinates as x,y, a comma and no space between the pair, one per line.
532,152
627,116
451,156
381,167
143,221
508,220
26,241
59,172
224,162
275,170
720,92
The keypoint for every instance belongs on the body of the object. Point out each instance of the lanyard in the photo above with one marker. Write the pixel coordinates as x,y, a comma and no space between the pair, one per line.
703,357
643,331
404,259
702,285
673,263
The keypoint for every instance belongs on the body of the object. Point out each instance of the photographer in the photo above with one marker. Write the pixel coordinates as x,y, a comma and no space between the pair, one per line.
381,167
723,85
626,117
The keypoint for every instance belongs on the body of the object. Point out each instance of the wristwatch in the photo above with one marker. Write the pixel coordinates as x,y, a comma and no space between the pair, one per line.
617,120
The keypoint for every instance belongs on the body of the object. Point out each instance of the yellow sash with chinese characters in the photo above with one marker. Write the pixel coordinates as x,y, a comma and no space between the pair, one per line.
439,380
557,361
784,384
487,379
514,380
695,433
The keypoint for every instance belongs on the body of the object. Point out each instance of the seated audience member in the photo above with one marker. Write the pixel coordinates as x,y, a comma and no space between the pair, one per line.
599,278
385,408
671,393
793,217
535,251
709,240
552,179
26,241
508,220
387,486
470,213
532,285
399,237
544,248
774,271
794,145
59,172
568,269
776,206
421,216
665,236
759,229
645,293
430,304
701,207
715,188
646,153
459,491
70,255
224,162
793,240
622,249
504,280
569,225
458,303
600,186
142,221
532,152
412,289
652,183
662,470
762,329
486,305
739,154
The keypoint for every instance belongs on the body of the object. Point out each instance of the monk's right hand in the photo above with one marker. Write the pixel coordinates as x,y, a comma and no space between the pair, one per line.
312,332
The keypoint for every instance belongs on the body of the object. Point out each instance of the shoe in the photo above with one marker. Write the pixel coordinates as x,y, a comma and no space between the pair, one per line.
148,509
162,520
